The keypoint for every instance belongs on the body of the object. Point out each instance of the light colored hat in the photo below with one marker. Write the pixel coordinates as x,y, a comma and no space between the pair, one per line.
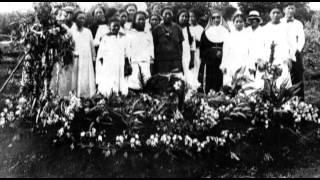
68,9
255,15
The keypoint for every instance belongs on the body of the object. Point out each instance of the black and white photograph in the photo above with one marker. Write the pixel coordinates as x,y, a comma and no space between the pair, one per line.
159,89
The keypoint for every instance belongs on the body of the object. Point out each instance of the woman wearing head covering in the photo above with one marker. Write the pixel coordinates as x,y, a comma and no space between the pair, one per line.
256,47
168,40
235,51
211,45
255,41
188,50
83,74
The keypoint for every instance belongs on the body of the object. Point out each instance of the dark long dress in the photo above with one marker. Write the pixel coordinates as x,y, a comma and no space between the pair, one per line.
167,48
210,63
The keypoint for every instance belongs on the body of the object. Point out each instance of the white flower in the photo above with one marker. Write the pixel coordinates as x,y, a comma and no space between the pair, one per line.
138,143
22,100
100,138
119,140
148,142
2,121
2,114
10,116
132,140
5,110
163,138
60,132
107,153
93,131
136,136
177,85
202,145
195,141
82,134
7,101
286,107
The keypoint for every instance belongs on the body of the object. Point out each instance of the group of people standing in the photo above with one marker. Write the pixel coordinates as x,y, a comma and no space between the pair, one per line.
130,46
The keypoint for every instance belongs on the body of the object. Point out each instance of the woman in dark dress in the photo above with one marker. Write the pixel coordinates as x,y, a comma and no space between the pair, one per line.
168,39
211,44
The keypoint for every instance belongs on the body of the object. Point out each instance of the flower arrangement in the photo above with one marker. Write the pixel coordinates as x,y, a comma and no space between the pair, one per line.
168,119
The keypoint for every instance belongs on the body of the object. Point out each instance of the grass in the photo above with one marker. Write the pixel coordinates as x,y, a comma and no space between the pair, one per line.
24,154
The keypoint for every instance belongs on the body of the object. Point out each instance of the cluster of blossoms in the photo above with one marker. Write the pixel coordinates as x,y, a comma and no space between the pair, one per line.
11,112
302,111
232,136
91,133
74,105
135,141
261,112
225,108
176,141
120,139
208,116
272,71
178,85
160,118
201,145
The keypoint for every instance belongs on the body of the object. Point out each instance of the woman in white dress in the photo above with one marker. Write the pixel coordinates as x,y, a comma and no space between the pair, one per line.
188,50
235,51
110,75
197,31
256,47
140,51
83,73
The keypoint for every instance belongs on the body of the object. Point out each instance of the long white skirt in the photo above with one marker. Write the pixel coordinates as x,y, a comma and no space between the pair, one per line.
134,80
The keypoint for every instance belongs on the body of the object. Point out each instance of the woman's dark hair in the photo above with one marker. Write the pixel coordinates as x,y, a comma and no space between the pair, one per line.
123,11
110,13
195,12
180,11
165,8
131,4
101,7
113,19
135,17
238,16
76,13
157,15
183,10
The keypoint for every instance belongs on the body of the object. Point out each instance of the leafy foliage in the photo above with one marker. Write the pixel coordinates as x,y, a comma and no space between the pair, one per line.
166,120
303,11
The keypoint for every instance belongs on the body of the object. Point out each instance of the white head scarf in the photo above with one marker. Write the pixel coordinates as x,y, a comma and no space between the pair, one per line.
215,33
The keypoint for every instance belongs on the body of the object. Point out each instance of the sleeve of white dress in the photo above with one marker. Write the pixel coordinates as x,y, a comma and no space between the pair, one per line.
225,54
151,47
102,49
127,46
265,44
93,51
98,37
193,45
301,36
